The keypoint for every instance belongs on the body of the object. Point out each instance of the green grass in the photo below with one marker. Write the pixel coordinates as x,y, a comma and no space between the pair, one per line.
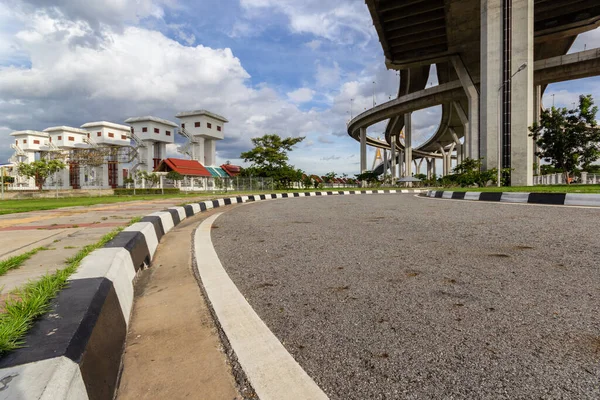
16,261
27,205
31,301
537,189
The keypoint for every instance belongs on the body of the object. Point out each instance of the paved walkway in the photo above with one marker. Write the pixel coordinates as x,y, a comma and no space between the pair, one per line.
64,232
388,296
173,350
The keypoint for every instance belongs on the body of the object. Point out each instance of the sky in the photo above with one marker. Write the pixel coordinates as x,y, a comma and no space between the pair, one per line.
270,66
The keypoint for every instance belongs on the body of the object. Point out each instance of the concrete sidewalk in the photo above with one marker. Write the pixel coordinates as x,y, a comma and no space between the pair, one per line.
64,232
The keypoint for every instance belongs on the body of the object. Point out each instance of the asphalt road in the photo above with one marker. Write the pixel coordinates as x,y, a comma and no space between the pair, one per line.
392,296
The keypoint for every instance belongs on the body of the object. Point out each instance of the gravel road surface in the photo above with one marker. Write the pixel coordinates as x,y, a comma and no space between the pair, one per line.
392,296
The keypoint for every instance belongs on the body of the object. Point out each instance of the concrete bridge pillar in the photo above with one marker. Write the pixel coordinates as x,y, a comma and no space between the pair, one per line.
502,59
521,146
393,169
472,131
491,79
429,169
363,150
408,144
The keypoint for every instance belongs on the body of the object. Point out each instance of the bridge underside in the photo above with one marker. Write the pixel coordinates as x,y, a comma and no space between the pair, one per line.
478,47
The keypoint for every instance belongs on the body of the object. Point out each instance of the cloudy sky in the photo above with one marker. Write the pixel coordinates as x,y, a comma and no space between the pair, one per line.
270,66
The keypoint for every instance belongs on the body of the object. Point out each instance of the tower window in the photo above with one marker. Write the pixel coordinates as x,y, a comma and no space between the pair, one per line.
110,134
209,125
60,137
196,124
36,142
71,139
168,133
156,130
144,129
218,128
123,137
99,134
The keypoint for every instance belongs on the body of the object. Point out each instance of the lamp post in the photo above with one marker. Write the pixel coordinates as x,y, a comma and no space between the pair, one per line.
500,130
2,182
373,93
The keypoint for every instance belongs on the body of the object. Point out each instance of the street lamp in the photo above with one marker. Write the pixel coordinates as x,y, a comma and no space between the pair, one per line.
373,93
500,130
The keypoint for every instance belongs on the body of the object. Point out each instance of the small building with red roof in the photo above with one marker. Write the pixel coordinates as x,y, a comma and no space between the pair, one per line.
184,167
232,170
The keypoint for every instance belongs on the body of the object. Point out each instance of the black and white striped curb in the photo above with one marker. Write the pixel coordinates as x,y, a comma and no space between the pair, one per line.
74,351
567,199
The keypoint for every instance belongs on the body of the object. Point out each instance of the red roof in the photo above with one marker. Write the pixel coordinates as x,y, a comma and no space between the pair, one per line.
184,167
232,170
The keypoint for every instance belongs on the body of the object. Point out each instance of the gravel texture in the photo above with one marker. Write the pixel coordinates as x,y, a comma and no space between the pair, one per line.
393,296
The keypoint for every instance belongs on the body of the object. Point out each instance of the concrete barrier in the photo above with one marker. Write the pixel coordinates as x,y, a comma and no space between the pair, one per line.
567,199
74,351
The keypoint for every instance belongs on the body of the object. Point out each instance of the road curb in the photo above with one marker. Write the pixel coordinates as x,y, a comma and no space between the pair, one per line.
75,350
566,199
271,370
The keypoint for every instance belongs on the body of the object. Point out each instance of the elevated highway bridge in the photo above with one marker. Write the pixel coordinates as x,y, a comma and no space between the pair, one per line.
494,59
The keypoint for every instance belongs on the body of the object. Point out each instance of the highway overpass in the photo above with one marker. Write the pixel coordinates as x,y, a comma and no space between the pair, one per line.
494,59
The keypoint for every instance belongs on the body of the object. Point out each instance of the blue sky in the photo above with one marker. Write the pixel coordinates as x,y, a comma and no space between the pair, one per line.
270,66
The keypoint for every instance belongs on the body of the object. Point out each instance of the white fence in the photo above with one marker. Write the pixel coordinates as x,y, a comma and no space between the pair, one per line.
559,179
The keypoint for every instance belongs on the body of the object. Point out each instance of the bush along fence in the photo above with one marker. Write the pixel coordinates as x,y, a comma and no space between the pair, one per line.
567,199
74,351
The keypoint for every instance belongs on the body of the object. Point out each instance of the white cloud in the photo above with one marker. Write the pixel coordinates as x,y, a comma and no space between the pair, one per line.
340,22
301,95
328,76
314,44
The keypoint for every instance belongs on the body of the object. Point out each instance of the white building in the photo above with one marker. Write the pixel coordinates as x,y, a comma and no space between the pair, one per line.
151,134
202,128
66,139
28,147
103,133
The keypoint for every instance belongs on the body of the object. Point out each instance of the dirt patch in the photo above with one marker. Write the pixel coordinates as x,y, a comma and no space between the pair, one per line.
173,350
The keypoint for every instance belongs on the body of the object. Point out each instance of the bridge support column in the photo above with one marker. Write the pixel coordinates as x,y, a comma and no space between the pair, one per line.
444,163
408,144
472,133
385,162
363,150
491,79
433,166
521,116
393,169
430,161
459,147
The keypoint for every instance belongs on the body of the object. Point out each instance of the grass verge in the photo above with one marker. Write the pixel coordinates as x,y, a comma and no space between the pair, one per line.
32,300
536,189
27,205
16,261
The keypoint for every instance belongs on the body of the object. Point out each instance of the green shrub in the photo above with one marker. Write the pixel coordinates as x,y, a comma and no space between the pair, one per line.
129,192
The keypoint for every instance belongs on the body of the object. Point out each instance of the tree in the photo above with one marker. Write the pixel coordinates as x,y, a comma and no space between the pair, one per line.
568,138
151,178
174,176
469,173
329,177
40,170
269,159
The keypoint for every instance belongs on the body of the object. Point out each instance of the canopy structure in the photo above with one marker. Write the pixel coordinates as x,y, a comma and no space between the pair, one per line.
184,167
